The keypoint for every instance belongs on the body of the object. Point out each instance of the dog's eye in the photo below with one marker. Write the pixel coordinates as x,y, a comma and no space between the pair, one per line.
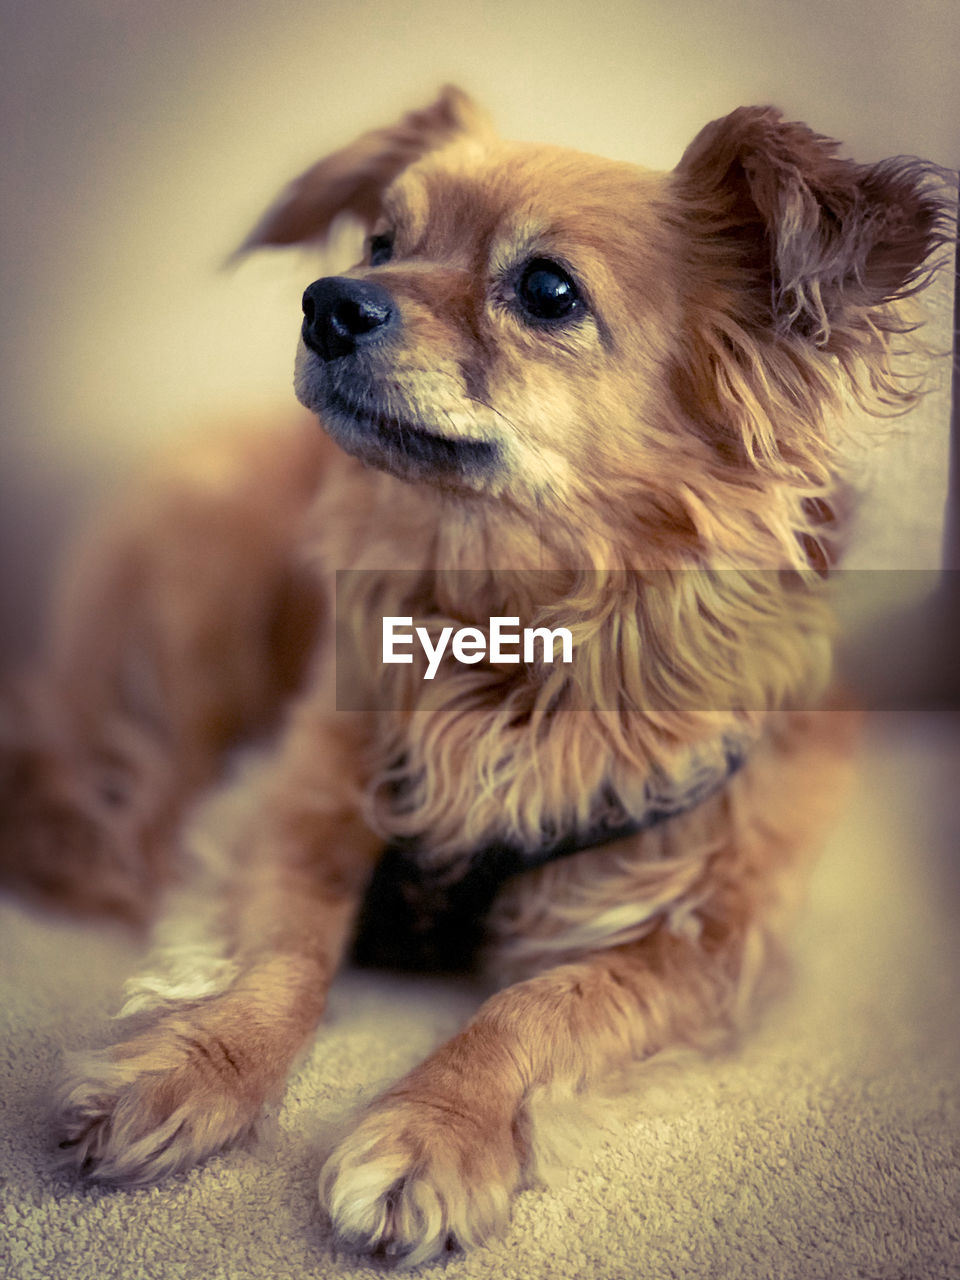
381,249
546,292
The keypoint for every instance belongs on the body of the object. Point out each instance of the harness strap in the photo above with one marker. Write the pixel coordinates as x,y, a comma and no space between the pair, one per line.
414,918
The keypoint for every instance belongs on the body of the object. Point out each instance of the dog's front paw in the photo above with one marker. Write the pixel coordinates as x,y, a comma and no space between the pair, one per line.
154,1105
421,1175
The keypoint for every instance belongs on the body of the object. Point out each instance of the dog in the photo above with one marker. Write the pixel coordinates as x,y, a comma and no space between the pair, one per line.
557,390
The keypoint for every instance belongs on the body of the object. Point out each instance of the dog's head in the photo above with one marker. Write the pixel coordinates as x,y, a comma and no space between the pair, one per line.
655,355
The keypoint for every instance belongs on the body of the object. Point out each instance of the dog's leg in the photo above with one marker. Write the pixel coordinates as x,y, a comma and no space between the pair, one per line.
439,1156
180,625
196,1078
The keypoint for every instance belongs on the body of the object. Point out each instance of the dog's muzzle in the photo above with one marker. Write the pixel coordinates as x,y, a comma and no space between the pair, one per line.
341,315
347,380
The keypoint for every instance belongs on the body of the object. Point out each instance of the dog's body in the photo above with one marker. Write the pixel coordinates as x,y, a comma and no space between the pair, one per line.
570,391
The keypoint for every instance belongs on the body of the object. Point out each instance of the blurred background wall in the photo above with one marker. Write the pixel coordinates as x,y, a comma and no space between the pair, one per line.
143,137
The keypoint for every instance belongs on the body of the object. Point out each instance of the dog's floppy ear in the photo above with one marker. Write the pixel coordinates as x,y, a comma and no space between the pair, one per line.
805,235
352,180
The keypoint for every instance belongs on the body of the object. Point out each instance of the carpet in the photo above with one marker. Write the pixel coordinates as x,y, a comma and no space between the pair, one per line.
826,1147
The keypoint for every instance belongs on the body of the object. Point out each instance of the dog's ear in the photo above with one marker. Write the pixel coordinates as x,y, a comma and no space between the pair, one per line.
804,236
352,181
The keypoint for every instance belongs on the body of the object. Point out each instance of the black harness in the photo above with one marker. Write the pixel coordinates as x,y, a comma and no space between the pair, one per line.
414,918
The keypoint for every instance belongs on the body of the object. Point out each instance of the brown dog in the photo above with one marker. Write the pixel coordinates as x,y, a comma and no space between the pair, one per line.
569,392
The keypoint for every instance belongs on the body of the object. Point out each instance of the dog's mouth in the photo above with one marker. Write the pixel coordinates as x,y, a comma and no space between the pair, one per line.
393,440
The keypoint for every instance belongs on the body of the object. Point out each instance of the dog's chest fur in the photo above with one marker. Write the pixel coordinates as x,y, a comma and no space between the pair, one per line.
527,754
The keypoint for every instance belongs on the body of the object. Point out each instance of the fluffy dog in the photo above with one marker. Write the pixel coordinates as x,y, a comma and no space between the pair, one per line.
565,390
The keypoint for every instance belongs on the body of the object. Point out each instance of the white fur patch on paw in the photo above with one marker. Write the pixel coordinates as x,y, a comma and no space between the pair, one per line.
191,958
184,974
413,1181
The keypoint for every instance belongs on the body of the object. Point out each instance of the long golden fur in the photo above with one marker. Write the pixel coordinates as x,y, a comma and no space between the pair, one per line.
659,471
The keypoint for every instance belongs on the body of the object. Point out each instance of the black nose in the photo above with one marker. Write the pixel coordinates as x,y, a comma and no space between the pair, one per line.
340,314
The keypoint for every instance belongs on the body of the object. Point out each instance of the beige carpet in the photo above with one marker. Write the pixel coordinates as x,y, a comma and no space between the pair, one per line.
827,1148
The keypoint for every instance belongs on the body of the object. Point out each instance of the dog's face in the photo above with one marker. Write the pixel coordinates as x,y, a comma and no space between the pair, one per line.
572,335
512,315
